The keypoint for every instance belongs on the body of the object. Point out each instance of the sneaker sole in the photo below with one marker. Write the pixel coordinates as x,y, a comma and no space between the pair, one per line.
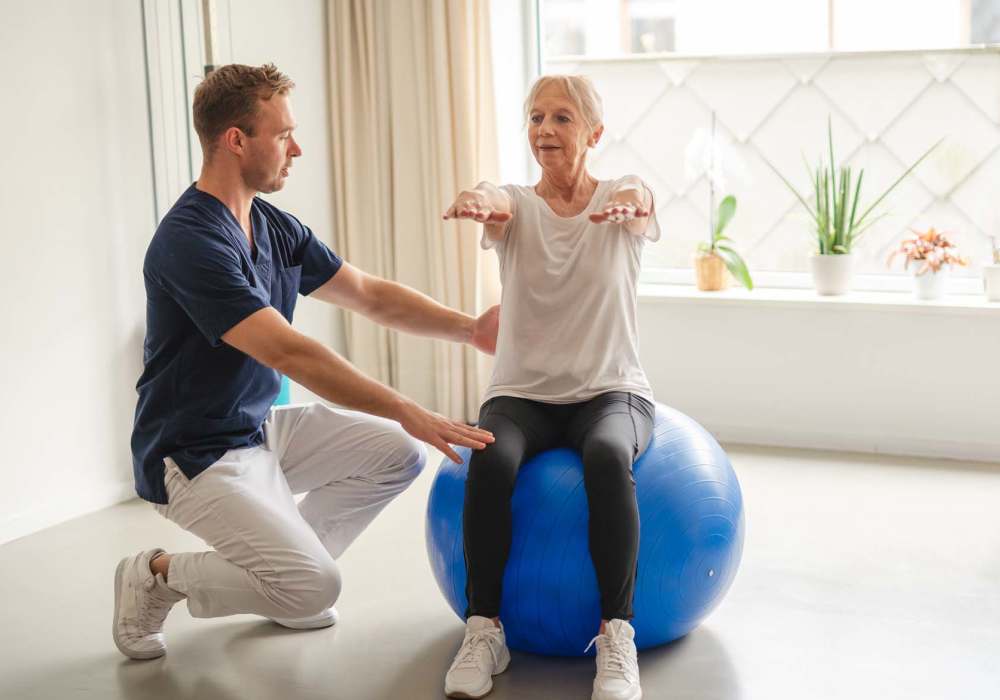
296,625
138,655
637,696
458,694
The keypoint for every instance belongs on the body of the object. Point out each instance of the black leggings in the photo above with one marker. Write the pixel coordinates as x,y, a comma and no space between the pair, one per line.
610,431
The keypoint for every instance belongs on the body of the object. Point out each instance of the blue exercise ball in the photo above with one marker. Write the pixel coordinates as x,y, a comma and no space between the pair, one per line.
691,540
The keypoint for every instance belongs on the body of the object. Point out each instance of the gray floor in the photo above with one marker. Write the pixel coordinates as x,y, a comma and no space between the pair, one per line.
862,577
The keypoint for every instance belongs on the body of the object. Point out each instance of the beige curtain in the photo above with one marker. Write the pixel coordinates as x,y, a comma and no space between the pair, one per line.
413,123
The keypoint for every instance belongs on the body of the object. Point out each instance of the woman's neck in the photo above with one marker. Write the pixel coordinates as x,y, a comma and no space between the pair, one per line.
566,187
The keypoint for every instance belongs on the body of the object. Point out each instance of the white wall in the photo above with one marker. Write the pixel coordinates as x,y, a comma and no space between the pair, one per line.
76,197
888,379
294,38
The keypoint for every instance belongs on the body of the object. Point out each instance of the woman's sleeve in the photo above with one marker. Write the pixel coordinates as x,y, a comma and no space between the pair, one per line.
652,233
485,242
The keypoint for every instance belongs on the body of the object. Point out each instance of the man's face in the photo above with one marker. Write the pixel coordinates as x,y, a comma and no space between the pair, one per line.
269,152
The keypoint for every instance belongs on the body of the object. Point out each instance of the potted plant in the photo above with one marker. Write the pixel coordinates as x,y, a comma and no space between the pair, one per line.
932,255
991,273
717,255
836,219
711,156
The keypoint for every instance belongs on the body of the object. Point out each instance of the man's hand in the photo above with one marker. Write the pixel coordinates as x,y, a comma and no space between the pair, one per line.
485,330
441,432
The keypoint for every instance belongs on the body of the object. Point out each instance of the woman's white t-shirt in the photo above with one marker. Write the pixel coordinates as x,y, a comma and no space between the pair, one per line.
568,306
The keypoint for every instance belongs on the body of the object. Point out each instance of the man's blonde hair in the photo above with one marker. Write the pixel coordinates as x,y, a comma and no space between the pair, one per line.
229,96
580,91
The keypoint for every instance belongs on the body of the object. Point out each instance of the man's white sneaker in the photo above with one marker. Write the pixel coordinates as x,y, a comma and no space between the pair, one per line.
142,602
483,655
617,666
327,618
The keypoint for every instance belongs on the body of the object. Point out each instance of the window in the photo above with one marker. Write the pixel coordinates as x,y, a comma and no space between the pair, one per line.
667,69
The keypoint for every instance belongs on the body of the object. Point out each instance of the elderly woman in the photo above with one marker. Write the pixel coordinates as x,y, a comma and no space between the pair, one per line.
567,373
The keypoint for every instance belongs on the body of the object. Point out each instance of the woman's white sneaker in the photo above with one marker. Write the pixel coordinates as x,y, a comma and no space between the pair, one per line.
483,655
617,666
142,602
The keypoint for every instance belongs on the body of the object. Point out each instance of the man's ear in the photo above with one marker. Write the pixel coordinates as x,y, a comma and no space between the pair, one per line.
234,140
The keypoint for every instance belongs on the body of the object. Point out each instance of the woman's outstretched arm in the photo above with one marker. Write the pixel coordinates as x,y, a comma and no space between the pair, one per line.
630,205
487,204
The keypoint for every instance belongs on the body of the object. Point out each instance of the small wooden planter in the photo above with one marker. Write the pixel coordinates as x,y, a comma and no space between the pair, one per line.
710,273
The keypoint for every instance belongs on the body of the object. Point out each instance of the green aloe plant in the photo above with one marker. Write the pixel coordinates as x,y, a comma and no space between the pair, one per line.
721,245
835,211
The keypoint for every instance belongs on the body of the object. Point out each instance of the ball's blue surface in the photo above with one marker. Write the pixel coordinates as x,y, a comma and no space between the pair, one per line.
691,540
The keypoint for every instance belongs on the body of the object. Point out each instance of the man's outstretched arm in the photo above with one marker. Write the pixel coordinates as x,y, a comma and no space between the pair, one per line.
268,338
405,309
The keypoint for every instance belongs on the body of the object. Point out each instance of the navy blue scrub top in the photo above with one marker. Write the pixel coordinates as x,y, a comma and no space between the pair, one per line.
199,397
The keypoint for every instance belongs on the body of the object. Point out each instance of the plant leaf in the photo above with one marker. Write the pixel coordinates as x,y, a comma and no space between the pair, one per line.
833,163
736,265
866,226
826,206
727,208
794,191
817,177
854,206
899,180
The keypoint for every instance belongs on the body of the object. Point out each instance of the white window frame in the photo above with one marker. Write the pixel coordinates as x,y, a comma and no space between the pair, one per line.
175,53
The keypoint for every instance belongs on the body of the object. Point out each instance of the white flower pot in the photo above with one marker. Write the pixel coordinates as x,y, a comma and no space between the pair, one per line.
991,280
832,274
930,285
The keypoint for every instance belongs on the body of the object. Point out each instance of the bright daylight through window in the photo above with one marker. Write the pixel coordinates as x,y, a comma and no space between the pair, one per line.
778,78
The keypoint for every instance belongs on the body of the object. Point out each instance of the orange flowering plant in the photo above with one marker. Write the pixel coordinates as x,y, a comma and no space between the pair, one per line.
932,248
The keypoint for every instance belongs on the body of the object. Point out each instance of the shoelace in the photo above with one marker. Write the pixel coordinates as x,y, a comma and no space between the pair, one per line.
154,612
473,649
615,657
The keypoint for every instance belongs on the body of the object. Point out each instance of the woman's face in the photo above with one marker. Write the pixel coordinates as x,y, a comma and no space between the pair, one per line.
557,132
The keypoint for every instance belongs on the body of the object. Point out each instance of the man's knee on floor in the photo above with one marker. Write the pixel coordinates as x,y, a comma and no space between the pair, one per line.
307,589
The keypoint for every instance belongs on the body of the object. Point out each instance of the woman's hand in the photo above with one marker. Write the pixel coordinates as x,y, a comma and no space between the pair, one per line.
622,211
629,206
473,204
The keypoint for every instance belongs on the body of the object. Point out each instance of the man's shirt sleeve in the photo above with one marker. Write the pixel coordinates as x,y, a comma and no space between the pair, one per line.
206,278
319,263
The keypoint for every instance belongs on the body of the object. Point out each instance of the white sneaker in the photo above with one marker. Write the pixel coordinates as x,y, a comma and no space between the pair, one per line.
617,666
483,655
142,602
327,618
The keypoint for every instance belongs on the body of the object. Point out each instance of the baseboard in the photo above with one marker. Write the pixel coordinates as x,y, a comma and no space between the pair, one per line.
46,513
854,442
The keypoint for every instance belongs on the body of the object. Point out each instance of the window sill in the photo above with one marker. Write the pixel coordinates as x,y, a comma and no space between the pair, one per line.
960,304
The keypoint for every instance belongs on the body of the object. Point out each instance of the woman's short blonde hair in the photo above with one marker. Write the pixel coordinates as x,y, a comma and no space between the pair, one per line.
580,91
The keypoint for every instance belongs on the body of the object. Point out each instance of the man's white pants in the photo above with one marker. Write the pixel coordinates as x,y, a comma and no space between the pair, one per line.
272,556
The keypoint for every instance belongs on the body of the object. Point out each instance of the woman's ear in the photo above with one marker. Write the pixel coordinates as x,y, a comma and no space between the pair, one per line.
595,136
